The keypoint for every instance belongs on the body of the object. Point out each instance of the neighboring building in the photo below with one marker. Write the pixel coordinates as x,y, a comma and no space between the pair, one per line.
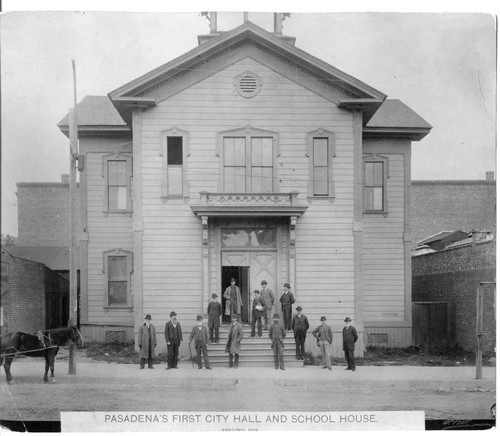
444,294
246,157
438,205
33,296
43,214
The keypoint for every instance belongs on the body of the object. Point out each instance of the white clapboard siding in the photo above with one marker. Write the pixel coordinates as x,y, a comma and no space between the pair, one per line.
104,233
383,252
172,254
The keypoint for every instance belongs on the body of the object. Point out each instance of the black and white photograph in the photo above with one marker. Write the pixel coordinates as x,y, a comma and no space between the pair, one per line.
232,220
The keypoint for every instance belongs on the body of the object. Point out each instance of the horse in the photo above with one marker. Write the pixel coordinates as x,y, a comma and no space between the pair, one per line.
44,343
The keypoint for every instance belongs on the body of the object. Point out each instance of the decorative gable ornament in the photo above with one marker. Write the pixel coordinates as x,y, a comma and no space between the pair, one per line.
247,84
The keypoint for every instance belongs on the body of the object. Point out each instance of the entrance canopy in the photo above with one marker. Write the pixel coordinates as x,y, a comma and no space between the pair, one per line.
249,205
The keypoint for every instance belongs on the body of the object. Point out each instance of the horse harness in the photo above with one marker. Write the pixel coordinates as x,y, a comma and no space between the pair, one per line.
41,337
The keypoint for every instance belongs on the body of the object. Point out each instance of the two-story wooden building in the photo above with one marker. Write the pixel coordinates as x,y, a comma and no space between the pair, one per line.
246,157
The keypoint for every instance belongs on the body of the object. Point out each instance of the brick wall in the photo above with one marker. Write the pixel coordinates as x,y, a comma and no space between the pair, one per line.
454,275
43,214
439,205
26,293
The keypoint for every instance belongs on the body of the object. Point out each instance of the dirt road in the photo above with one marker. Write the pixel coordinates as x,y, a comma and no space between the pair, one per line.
442,393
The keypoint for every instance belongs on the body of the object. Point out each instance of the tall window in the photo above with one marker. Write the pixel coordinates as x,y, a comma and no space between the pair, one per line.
117,269
174,145
174,165
374,186
117,280
321,151
117,173
248,161
320,163
117,185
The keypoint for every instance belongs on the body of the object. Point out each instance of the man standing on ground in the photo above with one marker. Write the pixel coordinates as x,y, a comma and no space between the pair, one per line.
324,338
147,342
214,312
200,336
233,346
232,295
258,310
349,338
287,299
268,297
300,325
277,335
173,337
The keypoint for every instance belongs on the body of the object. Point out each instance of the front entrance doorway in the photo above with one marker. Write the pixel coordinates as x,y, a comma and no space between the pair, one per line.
240,273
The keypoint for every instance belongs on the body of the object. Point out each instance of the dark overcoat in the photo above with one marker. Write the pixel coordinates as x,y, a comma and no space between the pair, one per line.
214,312
349,336
287,299
277,334
233,345
143,340
200,336
302,322
173,334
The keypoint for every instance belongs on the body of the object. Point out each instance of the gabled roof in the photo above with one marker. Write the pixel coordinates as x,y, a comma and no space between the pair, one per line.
123,97
95,113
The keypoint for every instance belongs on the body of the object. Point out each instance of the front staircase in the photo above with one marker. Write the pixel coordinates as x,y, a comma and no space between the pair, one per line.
255,351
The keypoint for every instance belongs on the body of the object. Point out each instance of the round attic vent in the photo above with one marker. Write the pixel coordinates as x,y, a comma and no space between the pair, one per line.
248,84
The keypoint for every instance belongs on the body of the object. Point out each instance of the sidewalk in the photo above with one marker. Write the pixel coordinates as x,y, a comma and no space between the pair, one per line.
113,372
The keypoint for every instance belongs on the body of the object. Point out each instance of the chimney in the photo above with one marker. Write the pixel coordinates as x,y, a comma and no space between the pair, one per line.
65,178
490,176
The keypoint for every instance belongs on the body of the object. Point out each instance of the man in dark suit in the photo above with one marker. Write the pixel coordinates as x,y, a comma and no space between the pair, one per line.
324,338
200,336
214,312
277,335
349,338
173,337
300,325
286,300
258,310
233,346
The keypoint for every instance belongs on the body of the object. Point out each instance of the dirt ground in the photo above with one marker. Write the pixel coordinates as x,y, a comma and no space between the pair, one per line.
442,393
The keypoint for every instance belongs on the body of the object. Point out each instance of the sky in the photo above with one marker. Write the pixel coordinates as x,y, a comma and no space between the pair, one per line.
441,65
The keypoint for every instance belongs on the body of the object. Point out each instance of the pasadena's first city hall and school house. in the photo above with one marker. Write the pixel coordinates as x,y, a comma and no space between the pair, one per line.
246,157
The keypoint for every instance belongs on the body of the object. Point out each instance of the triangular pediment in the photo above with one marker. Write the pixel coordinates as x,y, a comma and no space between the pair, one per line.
251,41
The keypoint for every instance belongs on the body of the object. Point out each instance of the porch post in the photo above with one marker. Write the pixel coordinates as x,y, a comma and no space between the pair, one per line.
205,262
292,264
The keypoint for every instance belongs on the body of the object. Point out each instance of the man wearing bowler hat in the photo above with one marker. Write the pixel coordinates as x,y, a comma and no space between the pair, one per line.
300,325
233,346
214,312
349,338
267,295
173,337
324,338
258,309
286,300
232,295
277,335
200,336
147,342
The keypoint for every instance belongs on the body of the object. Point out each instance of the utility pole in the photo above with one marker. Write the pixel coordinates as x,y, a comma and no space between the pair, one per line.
73,247
479,329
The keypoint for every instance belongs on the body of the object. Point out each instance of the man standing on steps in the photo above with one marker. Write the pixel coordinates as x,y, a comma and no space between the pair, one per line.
173,337
277,335
300,325
286,300
349,338
258,309
268,297
324,338
233,346
232,295
214,312
200,336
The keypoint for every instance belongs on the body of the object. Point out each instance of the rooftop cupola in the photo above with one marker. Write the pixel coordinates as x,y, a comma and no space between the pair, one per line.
278,19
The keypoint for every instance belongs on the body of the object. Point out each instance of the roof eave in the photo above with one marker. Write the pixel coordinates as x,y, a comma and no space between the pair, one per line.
125,105
367,105
412,133
96,130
